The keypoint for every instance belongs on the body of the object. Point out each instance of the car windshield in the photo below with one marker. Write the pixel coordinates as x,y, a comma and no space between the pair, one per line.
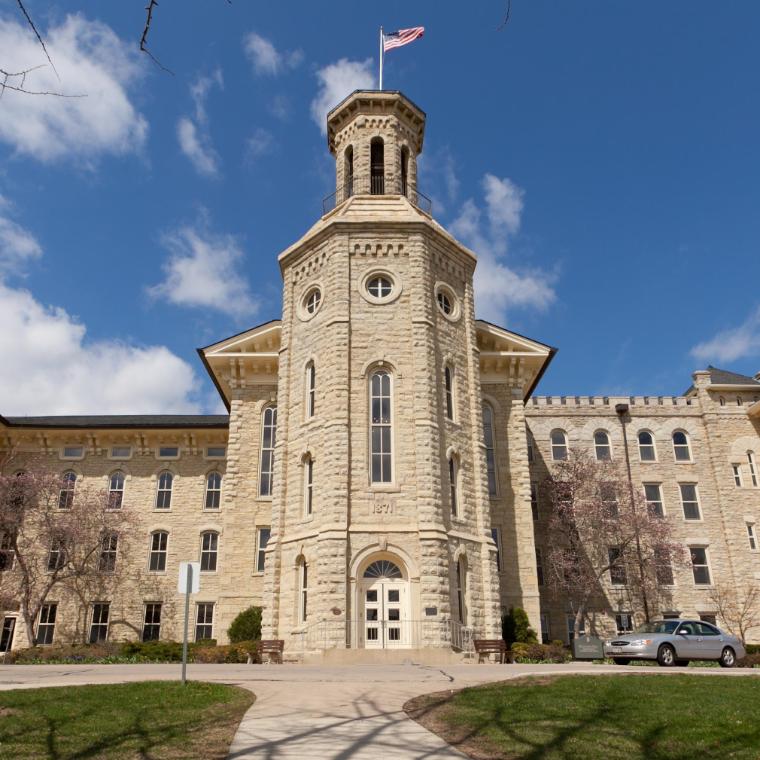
658,626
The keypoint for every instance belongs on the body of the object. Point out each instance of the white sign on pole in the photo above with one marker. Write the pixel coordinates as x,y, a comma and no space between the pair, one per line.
195,577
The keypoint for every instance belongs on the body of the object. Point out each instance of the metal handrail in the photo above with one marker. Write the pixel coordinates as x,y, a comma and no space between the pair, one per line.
378,184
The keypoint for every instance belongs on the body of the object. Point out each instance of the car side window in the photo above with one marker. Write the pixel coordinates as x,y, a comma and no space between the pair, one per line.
688,629
707,630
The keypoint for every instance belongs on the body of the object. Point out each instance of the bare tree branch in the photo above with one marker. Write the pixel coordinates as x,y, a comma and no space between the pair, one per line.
144,39
20,86
506,16
39,38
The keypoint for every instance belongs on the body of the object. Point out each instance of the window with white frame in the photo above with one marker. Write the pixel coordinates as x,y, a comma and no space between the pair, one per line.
602,447
216,452
496,536
461,590
213,491
534,500
617,568
116,490
204,621
381,427
752,469
653,496
209,550
108,548
168,452
46,624
311,390
308,485
152,622
268,441
57,555
302,570
663,566
72,452
121,452
66,494
159,541
453,490
737,470
312,301
379,286
559,445
6,634
99,622
681,448
164,490
624,622
647,452
448,382
700,566
261,545
751,537
690,501
488,440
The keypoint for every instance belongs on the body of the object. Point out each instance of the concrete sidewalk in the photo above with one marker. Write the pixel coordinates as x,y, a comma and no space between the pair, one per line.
336,712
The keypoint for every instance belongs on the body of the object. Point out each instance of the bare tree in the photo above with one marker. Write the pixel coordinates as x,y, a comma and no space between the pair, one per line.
738,609
594,538
56,536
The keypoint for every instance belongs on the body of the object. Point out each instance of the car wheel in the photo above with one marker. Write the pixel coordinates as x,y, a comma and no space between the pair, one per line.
621,660
666,656
727,658
681,663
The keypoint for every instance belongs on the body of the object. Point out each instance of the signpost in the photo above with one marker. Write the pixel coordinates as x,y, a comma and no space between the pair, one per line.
588,647
189,583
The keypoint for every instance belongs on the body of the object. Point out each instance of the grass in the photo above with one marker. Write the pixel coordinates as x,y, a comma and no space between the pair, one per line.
632,717
151,719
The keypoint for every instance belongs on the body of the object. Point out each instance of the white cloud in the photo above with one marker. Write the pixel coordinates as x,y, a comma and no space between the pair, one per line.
194,137
203,271
734,343
17,245
259,143
499,287
266,59
337,81
92,60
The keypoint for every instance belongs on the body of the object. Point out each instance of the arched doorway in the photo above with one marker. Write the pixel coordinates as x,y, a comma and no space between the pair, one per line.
384,605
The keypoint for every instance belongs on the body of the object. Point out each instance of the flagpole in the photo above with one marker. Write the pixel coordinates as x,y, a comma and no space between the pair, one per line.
381,57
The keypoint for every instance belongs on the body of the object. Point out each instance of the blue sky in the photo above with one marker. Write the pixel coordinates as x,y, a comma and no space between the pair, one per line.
601,157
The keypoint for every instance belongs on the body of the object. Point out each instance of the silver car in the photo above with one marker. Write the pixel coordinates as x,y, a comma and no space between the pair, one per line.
675,642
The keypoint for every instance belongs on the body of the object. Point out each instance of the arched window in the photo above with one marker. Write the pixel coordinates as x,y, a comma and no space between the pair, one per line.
377,167
721,401
268,440
308,485
646,447
213,490
157,560
448,381
381,466
108,547
209,550
311,389
602,446
488,440
453,486
752,468
559,445
739,401
405,170
348,171
164,490
116,490
382,568
681,448
461,589
66,495
302,572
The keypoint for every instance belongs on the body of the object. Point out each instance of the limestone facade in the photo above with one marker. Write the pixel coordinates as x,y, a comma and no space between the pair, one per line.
374,465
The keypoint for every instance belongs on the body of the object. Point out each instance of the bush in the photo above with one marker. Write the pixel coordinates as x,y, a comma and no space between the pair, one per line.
515,627
534,652
246,626
104,652
233,653
752,648
750,661
153,651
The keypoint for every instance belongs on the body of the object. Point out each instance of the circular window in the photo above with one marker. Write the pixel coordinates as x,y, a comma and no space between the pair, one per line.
311,302
447,301
379,286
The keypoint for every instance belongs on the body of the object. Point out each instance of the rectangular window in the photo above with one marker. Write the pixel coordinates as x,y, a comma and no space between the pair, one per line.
608,497
539,567
6,635
546,634
663,567
737,470
99,623
57,556
617,568
303,591
268,441
152,622
168,452
121,452
309,487
497,540
73,452
264,534
380,423
204,621
534,500
448,374
209,547
108,550
690,501
752,468
453,487
7,553
158,542
530,449
708,617
653,496
216,452
488,439
751,537
699,565
672,615
46,625
624,622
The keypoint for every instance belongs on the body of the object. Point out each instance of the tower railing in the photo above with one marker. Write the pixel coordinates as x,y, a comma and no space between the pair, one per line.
378,184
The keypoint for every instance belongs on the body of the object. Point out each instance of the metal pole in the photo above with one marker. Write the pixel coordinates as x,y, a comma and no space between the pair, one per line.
381,57
188,586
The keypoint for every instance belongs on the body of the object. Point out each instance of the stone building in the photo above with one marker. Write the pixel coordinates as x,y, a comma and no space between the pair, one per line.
374,485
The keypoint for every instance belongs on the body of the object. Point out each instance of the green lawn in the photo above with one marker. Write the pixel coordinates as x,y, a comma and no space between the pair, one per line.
137,720
606,716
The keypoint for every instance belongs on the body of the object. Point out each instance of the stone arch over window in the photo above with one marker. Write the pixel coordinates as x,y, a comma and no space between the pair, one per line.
381,425
681,446
647,450
602,447
377,166
382,550
558,439
268,442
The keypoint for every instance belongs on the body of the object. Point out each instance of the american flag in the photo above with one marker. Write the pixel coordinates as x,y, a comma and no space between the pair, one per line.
401,37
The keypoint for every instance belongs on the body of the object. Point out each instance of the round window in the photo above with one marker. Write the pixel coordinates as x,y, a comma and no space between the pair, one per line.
444,303
447,302
379,286
312,300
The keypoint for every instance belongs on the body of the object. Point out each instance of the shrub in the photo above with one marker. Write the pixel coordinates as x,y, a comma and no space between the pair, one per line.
515,627
752,648
750,661
153,651
233,653
246,626
103,652
534,652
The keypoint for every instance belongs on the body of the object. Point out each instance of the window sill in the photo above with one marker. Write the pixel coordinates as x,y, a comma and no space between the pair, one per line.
263,498
384,488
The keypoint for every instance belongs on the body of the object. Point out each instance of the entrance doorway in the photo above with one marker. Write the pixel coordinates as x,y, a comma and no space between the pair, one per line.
385,604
